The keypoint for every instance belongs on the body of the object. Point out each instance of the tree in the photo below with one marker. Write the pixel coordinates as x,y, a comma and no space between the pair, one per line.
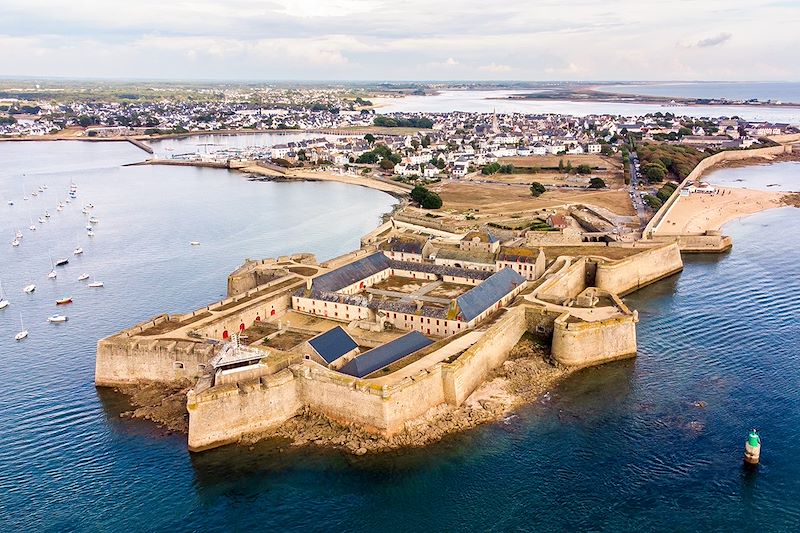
386,164
367,158
561,165
426,141
426,198
597,183
370,138
431,201
583,169
537,189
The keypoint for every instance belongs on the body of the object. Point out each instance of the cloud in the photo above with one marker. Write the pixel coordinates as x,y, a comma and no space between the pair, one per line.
494,68
716,40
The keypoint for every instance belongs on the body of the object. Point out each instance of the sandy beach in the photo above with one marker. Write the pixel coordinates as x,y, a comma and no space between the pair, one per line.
314,175
698,213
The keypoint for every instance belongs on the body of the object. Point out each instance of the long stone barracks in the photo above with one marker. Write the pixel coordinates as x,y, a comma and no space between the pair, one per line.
378,337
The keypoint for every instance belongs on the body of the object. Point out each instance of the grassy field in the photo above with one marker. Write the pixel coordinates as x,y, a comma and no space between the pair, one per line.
540,161
503,200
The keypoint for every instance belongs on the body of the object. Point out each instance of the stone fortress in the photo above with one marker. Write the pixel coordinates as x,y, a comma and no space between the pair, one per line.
414,319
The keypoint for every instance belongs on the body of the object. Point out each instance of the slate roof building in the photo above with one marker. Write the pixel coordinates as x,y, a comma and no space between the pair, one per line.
489,296
377,358
332,348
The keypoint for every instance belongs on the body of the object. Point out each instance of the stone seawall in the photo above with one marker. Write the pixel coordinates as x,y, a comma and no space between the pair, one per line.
580,344
122,361
632,273
472,368
221,415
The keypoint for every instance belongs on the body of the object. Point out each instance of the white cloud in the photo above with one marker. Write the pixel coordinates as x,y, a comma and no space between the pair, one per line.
494,68
386,39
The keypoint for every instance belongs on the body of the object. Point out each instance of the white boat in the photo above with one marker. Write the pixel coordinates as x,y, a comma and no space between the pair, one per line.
59,208
77,251
23,333
3,302
41,220
41,189
90,206
88,227
18,234
194,243
83,277
29,288
32,227
15,242
96,284
94,220
46,214
68,201
84,211
52,274
90,233
57,318
44,186
10,202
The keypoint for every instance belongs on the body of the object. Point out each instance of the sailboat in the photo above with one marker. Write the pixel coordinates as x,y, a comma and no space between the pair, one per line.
52,274
23,333
32,227
78,250
18,235
83,277
29,288
95,284
3,302
90,233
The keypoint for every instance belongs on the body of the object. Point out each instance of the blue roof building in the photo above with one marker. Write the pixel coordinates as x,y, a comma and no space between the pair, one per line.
333,345
386,354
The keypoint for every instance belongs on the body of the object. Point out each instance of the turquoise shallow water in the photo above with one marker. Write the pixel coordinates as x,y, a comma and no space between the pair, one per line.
622,447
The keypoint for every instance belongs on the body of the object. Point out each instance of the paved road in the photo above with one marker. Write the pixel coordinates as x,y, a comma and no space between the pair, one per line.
636,198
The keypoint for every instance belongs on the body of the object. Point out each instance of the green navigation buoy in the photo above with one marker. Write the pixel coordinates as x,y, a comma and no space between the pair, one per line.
752,448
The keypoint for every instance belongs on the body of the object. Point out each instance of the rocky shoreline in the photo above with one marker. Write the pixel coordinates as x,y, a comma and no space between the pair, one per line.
522,379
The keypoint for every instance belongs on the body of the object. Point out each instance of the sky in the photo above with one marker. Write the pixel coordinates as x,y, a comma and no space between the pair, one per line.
402,39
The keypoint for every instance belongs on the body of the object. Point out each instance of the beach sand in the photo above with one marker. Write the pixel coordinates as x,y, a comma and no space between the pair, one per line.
698,213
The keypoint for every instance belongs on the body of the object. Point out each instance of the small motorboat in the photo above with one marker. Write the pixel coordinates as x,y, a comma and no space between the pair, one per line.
34,193
90,206
68,201
41,189
88,227
83,277
195,243
57,318
84,211
18,234
10,202
94,220
96,284
32,227
29,288
52,275
46,214
59,208
64,301
77,251
90,233
61,262
41,220
44,186
15,242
